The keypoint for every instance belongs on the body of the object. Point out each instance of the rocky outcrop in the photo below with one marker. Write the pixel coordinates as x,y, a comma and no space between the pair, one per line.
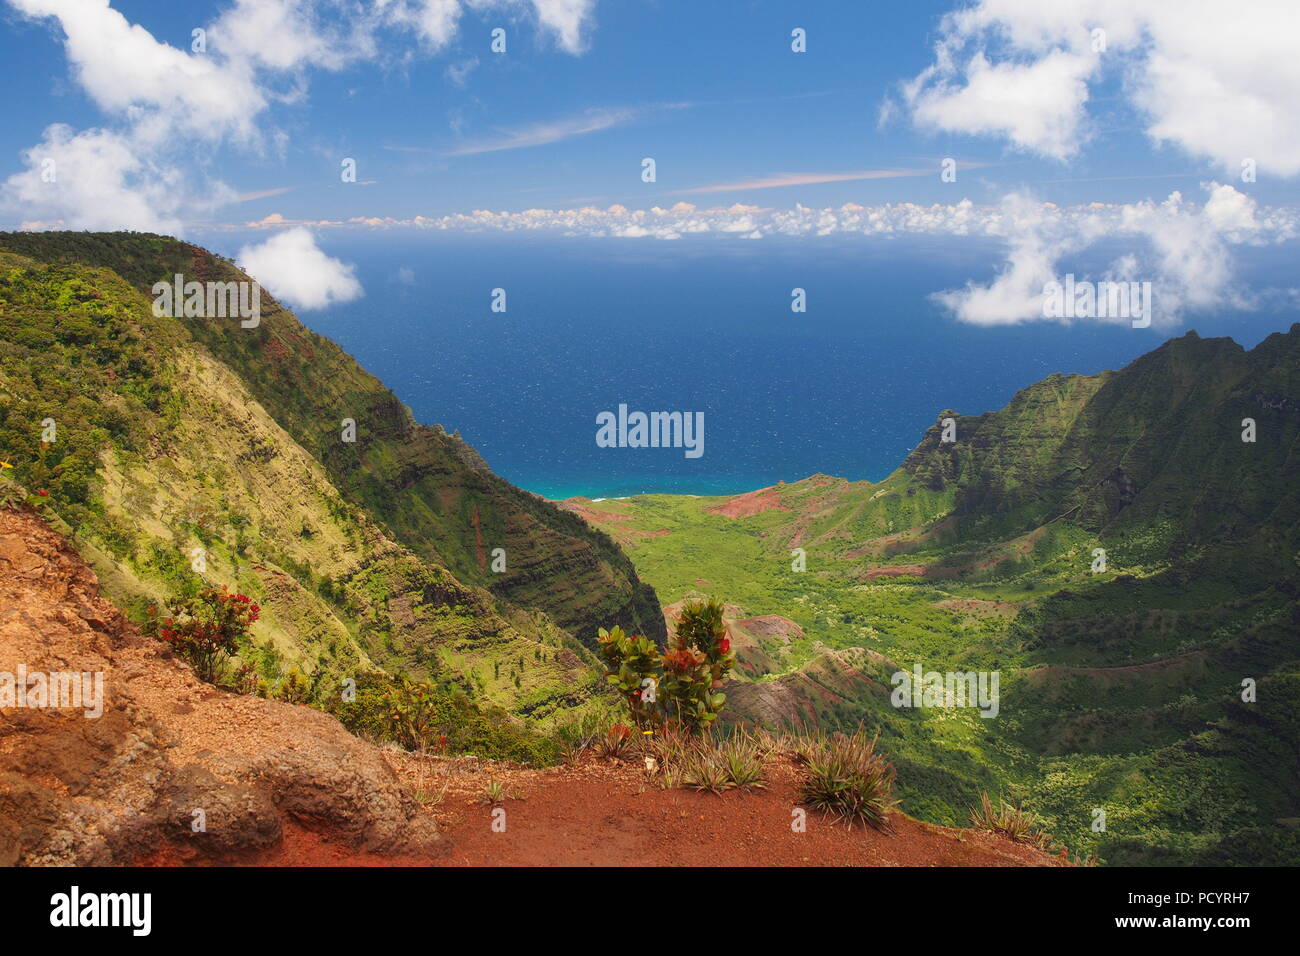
170,760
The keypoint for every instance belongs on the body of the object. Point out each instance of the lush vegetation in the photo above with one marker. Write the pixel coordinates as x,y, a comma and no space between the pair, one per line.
149,440
1121,690
159,445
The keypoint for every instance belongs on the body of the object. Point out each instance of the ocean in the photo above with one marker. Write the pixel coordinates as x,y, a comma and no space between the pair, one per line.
702,325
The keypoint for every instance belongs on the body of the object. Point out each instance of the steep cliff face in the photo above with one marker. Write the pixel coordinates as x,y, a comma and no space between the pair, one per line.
155,757
180,435
1160,440
431,492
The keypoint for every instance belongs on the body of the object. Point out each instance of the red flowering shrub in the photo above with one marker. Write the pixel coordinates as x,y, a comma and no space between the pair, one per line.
208,629
681,685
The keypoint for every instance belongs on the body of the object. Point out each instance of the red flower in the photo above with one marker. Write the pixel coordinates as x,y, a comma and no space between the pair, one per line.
724,645
43,493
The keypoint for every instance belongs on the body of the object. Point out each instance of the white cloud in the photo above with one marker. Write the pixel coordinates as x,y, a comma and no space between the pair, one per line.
157,88
170,109
434,21
1183,248
540,134
1218,80
99,179
1016,293
298,273
1230,214
1038,106
458,73
567,20
1182,251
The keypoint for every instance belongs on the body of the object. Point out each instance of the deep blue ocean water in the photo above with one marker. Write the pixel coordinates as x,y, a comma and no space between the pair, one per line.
704,325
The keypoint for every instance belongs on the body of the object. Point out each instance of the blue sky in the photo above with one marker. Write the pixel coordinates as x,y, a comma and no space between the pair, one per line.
712,91
1042,121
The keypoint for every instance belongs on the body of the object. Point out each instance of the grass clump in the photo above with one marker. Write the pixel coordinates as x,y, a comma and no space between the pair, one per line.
848,779
742,758
1019,826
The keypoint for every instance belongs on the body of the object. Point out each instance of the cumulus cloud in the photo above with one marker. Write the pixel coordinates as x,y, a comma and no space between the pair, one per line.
298,273
1038,106
569,21
1183,251
1218,80
168,109
1182,247
98,189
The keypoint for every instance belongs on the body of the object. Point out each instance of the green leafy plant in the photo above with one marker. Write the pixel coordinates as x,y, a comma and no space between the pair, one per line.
12,494
703,768
743,761
422,717
293,688
683,684
578,735
617,742
632,661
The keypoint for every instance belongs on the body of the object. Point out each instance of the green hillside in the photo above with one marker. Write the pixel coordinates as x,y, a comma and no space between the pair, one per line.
173,435
193,452
1120,689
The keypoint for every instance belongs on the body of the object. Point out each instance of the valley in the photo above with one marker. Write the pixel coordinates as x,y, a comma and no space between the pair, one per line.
1147,709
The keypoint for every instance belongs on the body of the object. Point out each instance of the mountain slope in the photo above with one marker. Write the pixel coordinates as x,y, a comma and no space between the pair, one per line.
163,452
1122,687
432,491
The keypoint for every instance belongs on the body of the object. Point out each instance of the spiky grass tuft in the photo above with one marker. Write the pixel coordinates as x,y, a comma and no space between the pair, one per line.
849,780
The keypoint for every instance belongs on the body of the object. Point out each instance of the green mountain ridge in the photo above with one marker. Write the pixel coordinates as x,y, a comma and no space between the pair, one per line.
176,434
1120,689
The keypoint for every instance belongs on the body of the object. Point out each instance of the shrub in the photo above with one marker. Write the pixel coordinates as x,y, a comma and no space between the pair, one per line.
682,684
578,734
849,780
420,716
616,743
632,661
703,768
12,494
293,688
207,630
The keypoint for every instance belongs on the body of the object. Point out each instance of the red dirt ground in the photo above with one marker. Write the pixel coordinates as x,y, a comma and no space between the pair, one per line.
751,503
601,813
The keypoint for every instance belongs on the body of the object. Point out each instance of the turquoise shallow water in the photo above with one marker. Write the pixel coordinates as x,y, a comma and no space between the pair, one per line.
703,325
